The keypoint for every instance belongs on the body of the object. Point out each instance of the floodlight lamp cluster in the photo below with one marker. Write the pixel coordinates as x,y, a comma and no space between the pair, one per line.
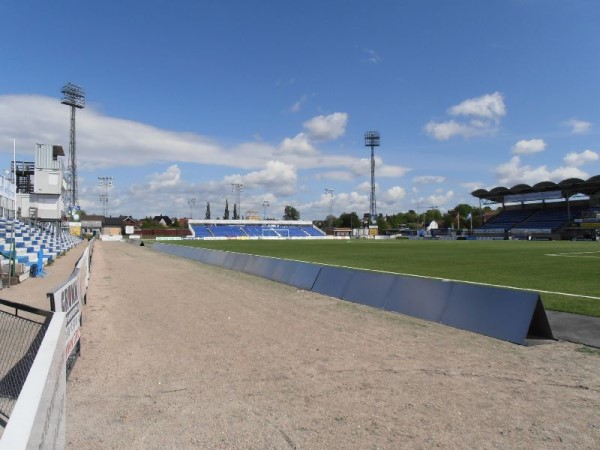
73,95
372,139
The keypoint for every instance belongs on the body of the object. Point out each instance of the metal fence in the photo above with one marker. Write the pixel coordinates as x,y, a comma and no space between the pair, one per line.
22,329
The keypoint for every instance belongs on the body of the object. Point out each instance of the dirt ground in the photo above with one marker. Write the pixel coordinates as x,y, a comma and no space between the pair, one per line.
177,354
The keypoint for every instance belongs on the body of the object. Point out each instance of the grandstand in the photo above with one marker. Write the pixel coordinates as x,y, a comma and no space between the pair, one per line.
254,229
569,209
30,242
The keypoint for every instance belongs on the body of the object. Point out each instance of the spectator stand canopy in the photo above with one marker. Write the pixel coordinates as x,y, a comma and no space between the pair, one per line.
545,190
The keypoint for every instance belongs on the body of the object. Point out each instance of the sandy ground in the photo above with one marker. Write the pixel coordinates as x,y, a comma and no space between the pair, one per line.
177,354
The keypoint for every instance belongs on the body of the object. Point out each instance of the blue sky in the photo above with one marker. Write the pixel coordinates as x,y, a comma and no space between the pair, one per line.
184,98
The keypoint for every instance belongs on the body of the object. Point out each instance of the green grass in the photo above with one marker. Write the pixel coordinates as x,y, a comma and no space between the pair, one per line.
521,264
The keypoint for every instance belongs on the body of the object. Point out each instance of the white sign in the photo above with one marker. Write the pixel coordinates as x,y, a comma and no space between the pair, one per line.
68,298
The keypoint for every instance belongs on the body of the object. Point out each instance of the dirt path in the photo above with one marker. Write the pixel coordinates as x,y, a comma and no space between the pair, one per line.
176,354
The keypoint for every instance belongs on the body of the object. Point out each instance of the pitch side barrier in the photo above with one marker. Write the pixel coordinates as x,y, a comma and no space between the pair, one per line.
69,297
507,314
38,418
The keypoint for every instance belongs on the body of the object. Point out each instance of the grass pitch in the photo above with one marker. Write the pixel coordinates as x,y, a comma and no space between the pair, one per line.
566,273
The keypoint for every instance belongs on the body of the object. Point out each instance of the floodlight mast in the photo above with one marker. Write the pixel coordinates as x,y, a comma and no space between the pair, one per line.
105,182
237,188
265,206
191,201
372,140
74,97
329,195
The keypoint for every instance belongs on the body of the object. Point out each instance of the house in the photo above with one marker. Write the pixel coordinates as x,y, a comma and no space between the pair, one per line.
117,226
165,221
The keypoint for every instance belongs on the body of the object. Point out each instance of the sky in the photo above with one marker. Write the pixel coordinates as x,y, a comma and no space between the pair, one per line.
185,98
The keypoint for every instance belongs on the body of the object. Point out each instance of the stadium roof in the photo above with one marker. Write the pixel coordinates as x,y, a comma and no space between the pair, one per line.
540,191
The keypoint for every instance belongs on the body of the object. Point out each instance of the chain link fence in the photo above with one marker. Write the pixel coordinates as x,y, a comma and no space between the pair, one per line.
22,329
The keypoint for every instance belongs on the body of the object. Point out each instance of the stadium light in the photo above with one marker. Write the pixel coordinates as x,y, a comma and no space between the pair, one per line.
329,195
73,96
105,182
237,188
372,140
191,201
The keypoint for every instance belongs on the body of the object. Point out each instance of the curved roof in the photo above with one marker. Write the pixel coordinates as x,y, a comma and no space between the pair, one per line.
567,187
520,189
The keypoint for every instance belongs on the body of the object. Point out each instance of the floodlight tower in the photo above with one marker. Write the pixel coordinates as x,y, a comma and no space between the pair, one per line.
329,195
372,140
191,201
105,182
74,97
237,188
265,206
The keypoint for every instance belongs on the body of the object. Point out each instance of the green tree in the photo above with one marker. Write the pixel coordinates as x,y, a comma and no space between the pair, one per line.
207,213
235,212
348,220
226,213
291,213
149,223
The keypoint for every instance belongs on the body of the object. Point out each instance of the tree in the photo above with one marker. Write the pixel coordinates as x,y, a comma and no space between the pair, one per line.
235,212
149,223
291,213
207,213
226,214
348,220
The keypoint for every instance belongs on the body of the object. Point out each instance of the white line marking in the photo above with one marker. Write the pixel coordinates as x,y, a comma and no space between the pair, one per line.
566,294
576,254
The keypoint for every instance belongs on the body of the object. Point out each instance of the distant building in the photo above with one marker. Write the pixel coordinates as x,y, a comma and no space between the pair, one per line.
165,221
41,187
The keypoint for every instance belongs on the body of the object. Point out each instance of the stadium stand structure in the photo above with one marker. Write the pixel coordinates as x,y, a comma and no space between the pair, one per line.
254,229
543,211
29,240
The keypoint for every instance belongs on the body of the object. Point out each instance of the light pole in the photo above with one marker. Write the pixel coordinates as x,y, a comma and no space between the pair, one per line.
73,96
105,182
372,140
265,206
329,195
191,201
237,188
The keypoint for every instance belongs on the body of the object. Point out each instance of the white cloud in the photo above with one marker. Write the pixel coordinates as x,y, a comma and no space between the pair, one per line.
336,175
105,142
437,201
527,147
395,194
277,176
579,159
483,114
371,56
365,186
169,178
327,128
298,145
362,167
296,107
428,179
578,126
512,173
442,131
490,106
389,171
472,186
